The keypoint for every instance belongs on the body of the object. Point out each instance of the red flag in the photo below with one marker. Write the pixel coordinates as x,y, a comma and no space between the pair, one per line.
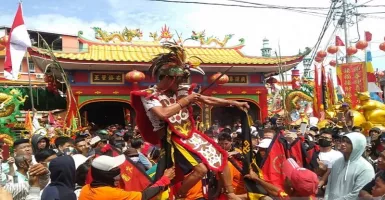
339,41
51,119
271,165
331,90
297,153
28,123
134,179
368,36
16,46
317,91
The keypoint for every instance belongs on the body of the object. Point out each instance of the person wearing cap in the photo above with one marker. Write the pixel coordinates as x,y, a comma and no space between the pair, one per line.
106,176
299,182
82,165
350,173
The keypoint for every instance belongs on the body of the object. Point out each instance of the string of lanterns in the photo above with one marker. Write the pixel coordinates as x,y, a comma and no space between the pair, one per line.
351,50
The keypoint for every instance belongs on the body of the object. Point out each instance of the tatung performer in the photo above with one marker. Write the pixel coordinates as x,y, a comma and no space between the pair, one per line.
164,112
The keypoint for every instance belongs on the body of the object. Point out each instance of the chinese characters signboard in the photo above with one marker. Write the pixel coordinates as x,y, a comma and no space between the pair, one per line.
107,78
238,79
353,79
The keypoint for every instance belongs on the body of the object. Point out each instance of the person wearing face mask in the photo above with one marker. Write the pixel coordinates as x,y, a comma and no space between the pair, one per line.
327,154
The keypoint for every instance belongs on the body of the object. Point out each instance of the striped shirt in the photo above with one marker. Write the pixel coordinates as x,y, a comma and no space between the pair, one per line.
22,191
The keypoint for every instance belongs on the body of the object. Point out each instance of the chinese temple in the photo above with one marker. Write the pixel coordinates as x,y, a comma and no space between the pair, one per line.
102,71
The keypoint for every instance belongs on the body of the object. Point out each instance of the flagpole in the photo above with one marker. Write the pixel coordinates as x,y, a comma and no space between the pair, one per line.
30,87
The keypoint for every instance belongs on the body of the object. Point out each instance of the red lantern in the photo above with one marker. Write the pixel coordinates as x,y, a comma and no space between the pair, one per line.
322,54
223,80
382,46
333,63
318,59
362,44
4,40
351,50
332,49
135,76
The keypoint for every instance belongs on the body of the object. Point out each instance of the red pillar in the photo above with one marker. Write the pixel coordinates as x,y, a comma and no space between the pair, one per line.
263,104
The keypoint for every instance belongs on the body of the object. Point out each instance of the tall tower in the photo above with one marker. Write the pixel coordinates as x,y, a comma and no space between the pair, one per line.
266,50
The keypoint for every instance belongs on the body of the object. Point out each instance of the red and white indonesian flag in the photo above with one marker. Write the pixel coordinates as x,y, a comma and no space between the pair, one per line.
16,47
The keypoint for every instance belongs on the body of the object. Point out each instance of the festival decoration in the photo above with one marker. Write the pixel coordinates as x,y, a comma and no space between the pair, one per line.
373,111
333,63
223,80
10,101
295,79
332,49
362,44
321,54
318,59
135,76
164,34
201,37
127,35
382,46
4,40
351,50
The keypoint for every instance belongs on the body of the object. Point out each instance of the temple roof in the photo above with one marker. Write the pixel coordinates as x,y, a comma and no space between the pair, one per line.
127,47
142,53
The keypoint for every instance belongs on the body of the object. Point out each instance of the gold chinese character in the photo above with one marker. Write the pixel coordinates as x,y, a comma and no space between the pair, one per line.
347,82
348,95
347,71
104,77
111,77
236,79
96,77
347,76
231,79
243,79
118,77
348,88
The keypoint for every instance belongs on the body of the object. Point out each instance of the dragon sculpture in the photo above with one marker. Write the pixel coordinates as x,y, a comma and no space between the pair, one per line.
127,35
201,37
10,100
164,34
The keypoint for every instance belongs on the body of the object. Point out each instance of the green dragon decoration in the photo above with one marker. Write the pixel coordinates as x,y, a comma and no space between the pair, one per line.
201,37
10,99
127,35
293,96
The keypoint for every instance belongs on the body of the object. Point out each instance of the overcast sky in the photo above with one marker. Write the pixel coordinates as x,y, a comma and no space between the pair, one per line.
292,30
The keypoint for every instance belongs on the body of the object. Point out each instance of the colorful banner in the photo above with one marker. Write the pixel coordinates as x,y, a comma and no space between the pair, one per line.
353,79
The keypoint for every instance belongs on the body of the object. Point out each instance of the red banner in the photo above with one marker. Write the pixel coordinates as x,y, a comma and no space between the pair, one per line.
353,79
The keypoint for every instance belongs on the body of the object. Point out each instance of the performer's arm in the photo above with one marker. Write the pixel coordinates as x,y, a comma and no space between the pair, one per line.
214,101
166,112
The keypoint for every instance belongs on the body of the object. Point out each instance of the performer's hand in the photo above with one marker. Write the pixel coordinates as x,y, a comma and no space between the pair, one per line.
242,105
252,175
193,97
170,173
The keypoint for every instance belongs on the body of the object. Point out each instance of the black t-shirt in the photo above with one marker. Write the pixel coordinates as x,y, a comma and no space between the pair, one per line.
368,187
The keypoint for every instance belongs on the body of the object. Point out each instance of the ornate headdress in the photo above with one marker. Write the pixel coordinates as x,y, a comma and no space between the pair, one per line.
175,63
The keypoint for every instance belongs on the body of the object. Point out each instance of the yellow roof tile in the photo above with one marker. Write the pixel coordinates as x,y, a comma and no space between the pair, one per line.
140,53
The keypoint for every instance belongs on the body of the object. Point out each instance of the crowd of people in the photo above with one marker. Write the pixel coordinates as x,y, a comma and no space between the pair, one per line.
86,166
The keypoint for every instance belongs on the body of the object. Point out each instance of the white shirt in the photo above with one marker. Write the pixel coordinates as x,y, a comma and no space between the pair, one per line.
328,158
155,121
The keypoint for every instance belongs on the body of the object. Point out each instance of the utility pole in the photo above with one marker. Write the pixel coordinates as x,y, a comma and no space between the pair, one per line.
346,29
